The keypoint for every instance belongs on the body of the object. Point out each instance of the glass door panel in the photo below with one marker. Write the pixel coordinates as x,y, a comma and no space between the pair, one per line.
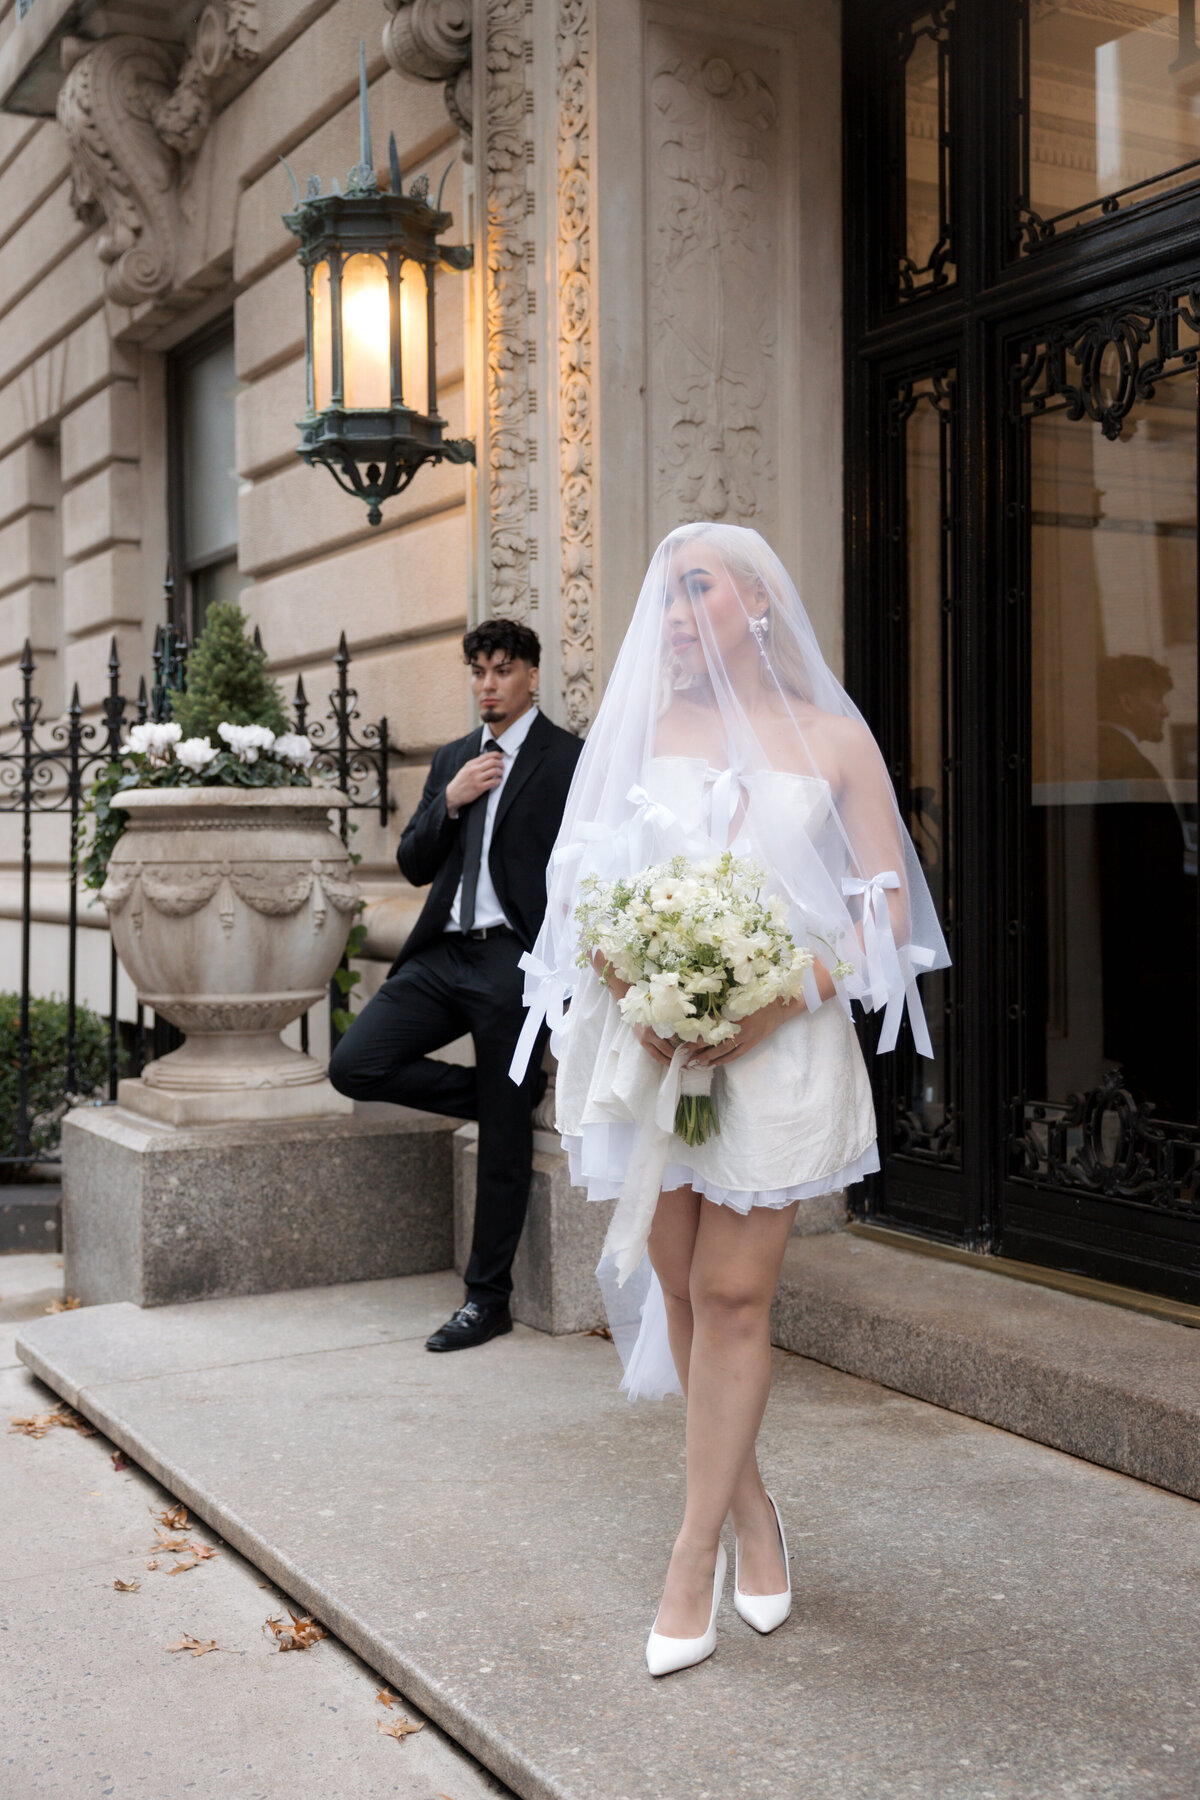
925,1115
1111,109
1110,986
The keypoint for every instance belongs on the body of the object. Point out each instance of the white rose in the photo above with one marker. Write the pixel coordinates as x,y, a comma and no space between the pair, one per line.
195,754
291,748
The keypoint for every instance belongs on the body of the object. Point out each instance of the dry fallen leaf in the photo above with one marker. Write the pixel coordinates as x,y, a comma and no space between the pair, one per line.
398,1729
169,1542
38,1424
67,1304
152,1563
386,1699
188,1642
301,1634
197,1553
175,1517
127,1587
118,1461
601,1331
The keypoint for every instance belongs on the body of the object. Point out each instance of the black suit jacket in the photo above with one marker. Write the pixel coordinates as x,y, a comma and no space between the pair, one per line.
527,821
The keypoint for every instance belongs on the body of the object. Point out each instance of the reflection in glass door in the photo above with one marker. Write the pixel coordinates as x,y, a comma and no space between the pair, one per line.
1107,961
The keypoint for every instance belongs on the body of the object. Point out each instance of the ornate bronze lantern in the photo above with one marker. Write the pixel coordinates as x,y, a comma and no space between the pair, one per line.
369,258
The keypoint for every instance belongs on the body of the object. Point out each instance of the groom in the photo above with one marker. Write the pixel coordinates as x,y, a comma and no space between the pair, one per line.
482,838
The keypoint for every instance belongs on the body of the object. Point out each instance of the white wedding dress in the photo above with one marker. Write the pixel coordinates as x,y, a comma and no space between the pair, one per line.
795,1114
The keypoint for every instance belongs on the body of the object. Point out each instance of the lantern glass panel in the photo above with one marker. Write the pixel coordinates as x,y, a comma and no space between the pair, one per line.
414,336
322,338
366,333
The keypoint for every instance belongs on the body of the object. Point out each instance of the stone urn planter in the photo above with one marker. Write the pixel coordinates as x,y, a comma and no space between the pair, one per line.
230,909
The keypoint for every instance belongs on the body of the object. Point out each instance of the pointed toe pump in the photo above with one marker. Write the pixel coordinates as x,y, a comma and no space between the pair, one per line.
766,1612
664,1655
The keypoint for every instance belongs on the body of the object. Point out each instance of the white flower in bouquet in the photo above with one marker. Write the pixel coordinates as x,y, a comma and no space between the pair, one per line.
154,741
290,747
195,754
702,948
246,740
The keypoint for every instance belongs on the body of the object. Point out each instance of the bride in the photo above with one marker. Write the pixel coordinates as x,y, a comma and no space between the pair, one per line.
723,728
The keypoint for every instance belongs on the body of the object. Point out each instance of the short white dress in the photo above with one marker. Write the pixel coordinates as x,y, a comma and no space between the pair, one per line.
796,1118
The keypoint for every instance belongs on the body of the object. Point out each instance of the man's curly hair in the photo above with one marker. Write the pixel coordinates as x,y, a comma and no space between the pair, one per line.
513,640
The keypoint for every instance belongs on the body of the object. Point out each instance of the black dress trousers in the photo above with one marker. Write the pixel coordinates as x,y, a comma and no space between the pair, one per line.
451,987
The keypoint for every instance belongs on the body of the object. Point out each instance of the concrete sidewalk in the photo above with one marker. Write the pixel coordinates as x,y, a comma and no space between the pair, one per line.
977,1617
92,1703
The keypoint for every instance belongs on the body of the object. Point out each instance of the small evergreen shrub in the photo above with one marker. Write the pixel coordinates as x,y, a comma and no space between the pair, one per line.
47,1096
227,680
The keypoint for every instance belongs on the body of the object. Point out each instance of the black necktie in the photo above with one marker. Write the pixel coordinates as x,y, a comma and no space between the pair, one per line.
472,858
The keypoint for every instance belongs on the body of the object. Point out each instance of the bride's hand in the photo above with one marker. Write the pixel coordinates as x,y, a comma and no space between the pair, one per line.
753,1030
661,1049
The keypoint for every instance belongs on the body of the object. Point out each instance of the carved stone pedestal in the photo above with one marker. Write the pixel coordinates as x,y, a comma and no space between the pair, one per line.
155,1214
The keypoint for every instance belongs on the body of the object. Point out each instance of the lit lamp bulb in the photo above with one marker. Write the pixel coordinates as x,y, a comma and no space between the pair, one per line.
414,336
366,334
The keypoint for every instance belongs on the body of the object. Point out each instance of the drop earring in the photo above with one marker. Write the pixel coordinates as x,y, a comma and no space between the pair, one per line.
762,629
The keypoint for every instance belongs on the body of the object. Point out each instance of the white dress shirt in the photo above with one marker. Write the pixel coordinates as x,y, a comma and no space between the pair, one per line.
488,910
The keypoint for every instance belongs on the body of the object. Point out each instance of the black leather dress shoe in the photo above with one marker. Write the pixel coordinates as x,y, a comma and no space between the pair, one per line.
472,1324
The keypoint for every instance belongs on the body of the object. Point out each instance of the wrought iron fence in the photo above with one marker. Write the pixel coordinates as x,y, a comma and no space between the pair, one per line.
46,768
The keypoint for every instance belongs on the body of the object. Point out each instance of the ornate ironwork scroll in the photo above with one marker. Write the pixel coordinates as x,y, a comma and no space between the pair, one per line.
1104,1143
914,119
1099,367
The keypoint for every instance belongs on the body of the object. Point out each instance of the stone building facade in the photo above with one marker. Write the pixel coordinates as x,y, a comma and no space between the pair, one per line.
650,333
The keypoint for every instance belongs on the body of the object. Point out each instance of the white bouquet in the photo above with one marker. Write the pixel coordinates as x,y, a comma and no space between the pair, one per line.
702,947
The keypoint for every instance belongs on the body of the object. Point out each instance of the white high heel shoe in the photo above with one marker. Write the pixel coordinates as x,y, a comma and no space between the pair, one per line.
666,1654
766,1612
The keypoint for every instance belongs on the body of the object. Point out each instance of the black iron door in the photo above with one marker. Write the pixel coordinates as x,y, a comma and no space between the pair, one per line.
1023,330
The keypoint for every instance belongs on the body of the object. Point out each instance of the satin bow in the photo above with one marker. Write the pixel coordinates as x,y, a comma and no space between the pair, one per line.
891,981
545,992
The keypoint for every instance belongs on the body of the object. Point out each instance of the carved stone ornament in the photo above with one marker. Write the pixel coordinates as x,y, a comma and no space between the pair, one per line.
430,40
511,300
134,116
712,278
575,359
276,890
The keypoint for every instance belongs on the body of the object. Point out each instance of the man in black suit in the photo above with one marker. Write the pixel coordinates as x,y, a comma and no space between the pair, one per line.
482,836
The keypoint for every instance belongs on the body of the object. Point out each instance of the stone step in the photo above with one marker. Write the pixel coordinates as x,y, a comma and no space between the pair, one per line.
976,1616
1106,1383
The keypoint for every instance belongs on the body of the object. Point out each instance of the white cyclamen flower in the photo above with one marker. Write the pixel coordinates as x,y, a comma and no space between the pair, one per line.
246,740
194,753
152,740
289,747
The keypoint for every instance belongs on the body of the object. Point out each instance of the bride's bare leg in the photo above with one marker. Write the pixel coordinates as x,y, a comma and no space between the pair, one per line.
733,1271
672,1242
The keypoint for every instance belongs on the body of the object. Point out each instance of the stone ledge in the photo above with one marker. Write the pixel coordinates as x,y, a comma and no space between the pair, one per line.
1112,1386
154,1213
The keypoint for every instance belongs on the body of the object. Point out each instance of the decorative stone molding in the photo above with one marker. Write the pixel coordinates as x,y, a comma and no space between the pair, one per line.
430,40
511,305
275,889
713,279
575,358
133,116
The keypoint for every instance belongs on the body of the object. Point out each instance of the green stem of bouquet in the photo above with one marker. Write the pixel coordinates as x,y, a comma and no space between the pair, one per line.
695,1118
